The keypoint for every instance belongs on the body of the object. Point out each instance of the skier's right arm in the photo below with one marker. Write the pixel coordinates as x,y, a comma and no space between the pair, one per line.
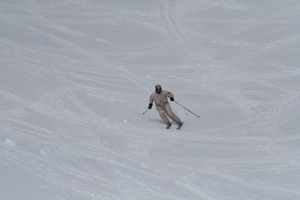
151,99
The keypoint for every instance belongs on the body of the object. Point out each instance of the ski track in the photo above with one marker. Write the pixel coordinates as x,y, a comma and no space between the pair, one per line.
73,101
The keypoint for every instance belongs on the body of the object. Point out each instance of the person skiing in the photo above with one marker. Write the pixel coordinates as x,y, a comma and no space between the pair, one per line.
160,97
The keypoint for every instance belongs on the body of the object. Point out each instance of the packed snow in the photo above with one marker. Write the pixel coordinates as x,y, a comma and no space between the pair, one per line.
76,76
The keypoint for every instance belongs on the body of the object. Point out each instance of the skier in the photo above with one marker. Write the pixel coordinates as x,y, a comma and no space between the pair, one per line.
160,97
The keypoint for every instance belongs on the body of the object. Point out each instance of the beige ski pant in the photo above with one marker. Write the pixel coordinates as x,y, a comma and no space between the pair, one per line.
165,112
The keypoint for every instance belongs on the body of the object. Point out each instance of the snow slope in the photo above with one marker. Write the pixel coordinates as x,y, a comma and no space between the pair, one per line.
76,77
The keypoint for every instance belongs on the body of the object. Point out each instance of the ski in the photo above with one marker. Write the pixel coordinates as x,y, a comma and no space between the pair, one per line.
168,125
178,128
180,125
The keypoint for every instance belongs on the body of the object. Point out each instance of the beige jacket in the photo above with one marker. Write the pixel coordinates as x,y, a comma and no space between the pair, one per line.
160,99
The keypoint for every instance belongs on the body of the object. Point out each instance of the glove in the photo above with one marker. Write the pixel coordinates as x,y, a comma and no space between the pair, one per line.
150,105
172,98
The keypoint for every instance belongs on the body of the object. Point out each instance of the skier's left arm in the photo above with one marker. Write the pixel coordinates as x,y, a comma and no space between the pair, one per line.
170,95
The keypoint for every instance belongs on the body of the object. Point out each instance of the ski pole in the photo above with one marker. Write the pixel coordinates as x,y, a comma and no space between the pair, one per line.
186,109
145,111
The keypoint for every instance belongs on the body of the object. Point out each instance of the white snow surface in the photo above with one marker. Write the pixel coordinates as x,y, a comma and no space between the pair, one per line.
76,76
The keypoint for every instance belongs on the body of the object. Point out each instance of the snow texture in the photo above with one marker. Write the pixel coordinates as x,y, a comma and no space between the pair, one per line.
76,77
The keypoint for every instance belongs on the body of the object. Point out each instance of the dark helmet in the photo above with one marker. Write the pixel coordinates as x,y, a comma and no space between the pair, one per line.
158,89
